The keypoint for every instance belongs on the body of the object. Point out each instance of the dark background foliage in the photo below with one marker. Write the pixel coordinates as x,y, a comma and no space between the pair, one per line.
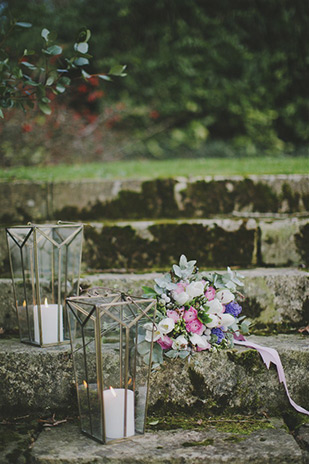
209,78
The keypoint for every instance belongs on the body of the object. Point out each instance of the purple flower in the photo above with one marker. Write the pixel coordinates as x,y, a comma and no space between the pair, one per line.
233,308
220,335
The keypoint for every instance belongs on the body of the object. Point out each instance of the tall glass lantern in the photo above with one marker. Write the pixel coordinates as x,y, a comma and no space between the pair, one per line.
112,338
45,265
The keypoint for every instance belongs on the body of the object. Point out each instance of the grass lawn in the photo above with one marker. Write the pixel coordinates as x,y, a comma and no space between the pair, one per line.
165,168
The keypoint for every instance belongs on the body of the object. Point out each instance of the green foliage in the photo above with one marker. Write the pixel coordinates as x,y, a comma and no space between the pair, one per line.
199,72
210,70
24,82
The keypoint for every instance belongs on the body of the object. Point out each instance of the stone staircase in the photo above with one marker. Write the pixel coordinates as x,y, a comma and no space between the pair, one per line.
135,229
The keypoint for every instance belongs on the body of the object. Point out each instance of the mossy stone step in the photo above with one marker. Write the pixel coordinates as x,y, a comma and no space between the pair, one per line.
41,379
143,245
155,198
66,445
275,298
216,243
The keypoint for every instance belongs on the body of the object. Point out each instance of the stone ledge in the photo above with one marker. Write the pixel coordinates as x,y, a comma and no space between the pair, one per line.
142,245
152,198
217,243
274,298
41,379
66,445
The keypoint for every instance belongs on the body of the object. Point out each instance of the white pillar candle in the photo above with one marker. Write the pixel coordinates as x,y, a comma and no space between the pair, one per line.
49,319
114,413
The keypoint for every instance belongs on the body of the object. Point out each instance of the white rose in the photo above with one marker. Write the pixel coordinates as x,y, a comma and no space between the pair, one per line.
200,341
226,319
166,325
156,333
225,296
180,343
181,298
195,289
214,321
215,307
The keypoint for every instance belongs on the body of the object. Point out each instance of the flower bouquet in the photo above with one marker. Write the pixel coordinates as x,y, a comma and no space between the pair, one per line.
196,312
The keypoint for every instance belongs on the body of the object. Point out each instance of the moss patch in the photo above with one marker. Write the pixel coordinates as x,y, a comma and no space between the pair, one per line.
161,244
249,359
207,442
236,424
291,197
302,243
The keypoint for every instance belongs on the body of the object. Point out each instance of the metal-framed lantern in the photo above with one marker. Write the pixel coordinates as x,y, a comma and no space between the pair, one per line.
111,371
45,265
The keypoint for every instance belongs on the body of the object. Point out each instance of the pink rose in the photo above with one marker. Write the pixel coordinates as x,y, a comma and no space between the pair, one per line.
210,293
190,314
195,326
165,342
181,286
172,315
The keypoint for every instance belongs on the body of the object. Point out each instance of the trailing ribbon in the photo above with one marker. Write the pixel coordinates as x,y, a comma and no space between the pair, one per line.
270,355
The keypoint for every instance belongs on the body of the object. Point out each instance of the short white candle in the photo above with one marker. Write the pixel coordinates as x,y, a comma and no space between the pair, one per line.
114,413
49,319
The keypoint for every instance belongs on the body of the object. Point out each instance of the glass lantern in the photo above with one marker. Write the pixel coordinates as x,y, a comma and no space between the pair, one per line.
45,265
111,370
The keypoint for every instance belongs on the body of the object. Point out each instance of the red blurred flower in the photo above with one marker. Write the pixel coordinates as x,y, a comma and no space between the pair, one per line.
82,88
95,95
94,80
154,114
92,118
26,127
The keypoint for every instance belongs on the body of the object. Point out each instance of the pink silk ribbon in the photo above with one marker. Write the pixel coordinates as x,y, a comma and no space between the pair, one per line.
270,355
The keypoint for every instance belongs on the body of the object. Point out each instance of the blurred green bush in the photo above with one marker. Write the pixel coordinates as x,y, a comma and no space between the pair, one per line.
204,78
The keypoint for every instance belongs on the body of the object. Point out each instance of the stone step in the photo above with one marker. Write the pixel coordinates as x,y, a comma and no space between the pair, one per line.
66,445
216,243
90,199
40,380
275,298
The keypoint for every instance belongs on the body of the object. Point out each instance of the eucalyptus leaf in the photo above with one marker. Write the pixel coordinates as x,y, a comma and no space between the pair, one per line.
1,114
85,74
28,52
22,24
81,61
81,47
45,34
183,354
60,88
104,77
45,108
50,80
31,66
53,50
143,348
117,70
171,354
65,80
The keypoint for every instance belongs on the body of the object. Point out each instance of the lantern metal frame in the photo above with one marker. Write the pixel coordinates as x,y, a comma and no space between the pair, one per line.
37,232
95,299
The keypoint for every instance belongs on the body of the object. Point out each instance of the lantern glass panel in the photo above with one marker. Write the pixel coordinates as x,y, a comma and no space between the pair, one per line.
111,375
45,265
